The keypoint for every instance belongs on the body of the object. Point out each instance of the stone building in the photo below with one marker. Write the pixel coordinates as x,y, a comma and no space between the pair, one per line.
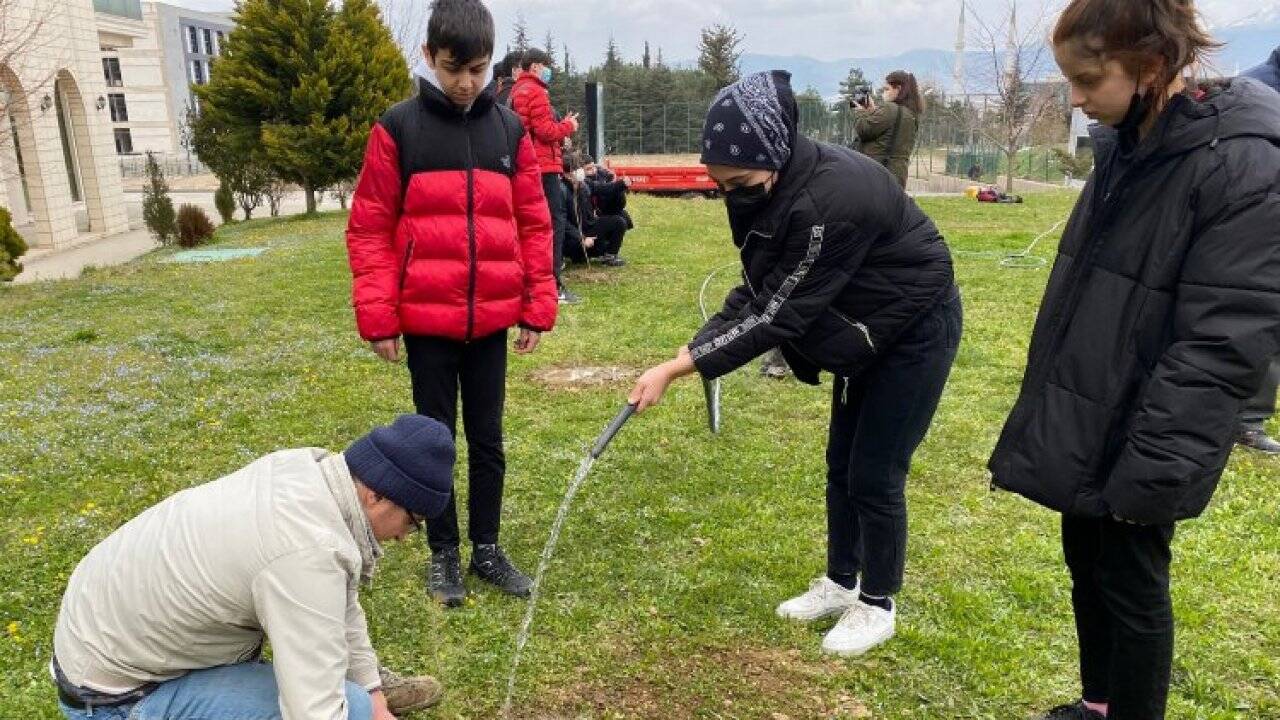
58,161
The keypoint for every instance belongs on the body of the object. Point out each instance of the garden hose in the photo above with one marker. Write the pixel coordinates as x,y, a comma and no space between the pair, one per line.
711,388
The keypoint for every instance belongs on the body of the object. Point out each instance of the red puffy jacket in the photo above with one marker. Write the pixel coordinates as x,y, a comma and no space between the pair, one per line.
530,100
449,234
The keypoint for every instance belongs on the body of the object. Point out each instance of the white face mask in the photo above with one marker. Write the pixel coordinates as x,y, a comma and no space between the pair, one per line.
579,174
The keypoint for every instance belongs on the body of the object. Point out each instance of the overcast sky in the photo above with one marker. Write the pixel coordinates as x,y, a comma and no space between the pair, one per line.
823,29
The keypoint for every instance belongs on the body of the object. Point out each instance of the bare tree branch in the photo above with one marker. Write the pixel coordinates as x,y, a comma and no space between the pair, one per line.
1016,61
22,36
407,20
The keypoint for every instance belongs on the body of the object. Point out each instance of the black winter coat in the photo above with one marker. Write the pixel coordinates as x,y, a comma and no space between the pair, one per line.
1160,316
835,267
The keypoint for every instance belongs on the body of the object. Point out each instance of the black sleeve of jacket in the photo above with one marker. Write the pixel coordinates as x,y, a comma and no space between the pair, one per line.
1226,329
814,268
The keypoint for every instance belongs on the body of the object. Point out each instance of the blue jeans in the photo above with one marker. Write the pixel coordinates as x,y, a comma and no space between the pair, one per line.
241,692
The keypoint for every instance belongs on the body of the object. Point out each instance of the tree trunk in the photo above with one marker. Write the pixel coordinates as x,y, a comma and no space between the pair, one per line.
1011,159
311,200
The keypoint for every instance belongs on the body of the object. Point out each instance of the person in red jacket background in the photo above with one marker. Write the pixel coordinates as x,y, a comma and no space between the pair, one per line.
450,246
532,102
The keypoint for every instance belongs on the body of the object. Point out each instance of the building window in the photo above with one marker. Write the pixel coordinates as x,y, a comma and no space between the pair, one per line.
208,42
111,70
119,111
222,40
193,39
197,72
124,141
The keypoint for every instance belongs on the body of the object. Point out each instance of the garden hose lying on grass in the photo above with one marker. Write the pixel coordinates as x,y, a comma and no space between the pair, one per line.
711,388
1022,259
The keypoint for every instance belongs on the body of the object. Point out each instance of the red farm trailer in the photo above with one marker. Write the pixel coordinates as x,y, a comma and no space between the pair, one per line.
662,180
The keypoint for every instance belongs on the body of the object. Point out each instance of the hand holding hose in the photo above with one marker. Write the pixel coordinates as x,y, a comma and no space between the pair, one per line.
654,381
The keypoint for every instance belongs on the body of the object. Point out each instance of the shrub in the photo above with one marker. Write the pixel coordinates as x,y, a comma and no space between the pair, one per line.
194,226
12,247
225,202
157,207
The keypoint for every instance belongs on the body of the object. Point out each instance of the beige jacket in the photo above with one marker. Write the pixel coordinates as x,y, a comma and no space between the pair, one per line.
197,580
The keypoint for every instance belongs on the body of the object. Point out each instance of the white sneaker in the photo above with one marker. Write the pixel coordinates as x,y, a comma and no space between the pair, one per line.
861,628
825,598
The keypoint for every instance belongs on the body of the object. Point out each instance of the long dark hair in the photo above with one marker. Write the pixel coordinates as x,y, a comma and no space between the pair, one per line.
1139,34
908,90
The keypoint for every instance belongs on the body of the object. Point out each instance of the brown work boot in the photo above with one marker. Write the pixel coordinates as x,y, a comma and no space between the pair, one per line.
409,694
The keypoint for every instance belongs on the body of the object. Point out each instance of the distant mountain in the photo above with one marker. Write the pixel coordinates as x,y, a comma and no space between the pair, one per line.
1249,41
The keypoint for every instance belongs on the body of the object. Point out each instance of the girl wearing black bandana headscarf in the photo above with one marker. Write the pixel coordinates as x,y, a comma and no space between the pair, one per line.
844,273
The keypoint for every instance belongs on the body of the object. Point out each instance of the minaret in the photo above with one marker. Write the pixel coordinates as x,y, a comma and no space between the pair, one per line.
1012,61
958,72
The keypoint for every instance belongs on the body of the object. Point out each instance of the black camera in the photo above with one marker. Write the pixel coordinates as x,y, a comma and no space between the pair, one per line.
860,94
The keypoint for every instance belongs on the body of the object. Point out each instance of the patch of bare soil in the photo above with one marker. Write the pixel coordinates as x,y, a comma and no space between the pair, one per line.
580,377
773,684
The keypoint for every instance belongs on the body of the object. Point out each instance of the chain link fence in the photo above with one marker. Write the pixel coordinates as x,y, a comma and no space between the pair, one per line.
949,142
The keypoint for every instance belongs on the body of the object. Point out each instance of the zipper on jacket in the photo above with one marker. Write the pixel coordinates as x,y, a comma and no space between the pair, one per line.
471,231
860,327
404,266
844,394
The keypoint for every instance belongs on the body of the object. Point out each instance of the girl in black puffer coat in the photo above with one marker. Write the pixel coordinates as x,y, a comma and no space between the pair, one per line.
845,274
1160,316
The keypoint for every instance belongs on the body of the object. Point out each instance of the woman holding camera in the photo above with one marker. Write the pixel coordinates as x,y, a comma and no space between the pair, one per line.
888,132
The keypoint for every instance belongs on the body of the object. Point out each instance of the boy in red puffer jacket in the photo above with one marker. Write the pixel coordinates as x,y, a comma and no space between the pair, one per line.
450,246
532,102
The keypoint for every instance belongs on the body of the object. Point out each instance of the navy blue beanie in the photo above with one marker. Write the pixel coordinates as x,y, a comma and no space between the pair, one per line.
752,123
409,462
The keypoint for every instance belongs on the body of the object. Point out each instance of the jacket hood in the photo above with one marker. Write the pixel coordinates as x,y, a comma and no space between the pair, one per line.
434,98
1241,107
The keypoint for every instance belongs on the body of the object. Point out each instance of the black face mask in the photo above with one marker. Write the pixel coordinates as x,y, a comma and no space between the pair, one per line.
747,199
1137,112
743,205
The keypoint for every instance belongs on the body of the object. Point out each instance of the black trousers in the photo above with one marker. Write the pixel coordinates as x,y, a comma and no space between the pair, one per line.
1259,408
608,230
878,419
1124,614
554,191
439,368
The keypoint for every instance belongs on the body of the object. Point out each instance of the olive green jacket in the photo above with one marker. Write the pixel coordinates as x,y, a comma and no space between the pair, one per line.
875,129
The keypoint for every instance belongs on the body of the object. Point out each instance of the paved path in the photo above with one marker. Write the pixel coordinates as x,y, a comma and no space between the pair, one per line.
39,265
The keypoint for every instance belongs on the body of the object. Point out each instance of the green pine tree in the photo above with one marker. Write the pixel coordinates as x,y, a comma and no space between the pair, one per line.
157,206
719,54
303,82
521,32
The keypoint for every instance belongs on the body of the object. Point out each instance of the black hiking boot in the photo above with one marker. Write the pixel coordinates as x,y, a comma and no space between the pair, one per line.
1258,439
444,577
492,566
1075,711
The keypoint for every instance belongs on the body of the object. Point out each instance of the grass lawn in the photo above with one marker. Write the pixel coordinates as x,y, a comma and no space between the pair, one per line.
131,383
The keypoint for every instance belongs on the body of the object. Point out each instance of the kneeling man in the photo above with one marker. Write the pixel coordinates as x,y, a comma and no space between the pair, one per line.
166,618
